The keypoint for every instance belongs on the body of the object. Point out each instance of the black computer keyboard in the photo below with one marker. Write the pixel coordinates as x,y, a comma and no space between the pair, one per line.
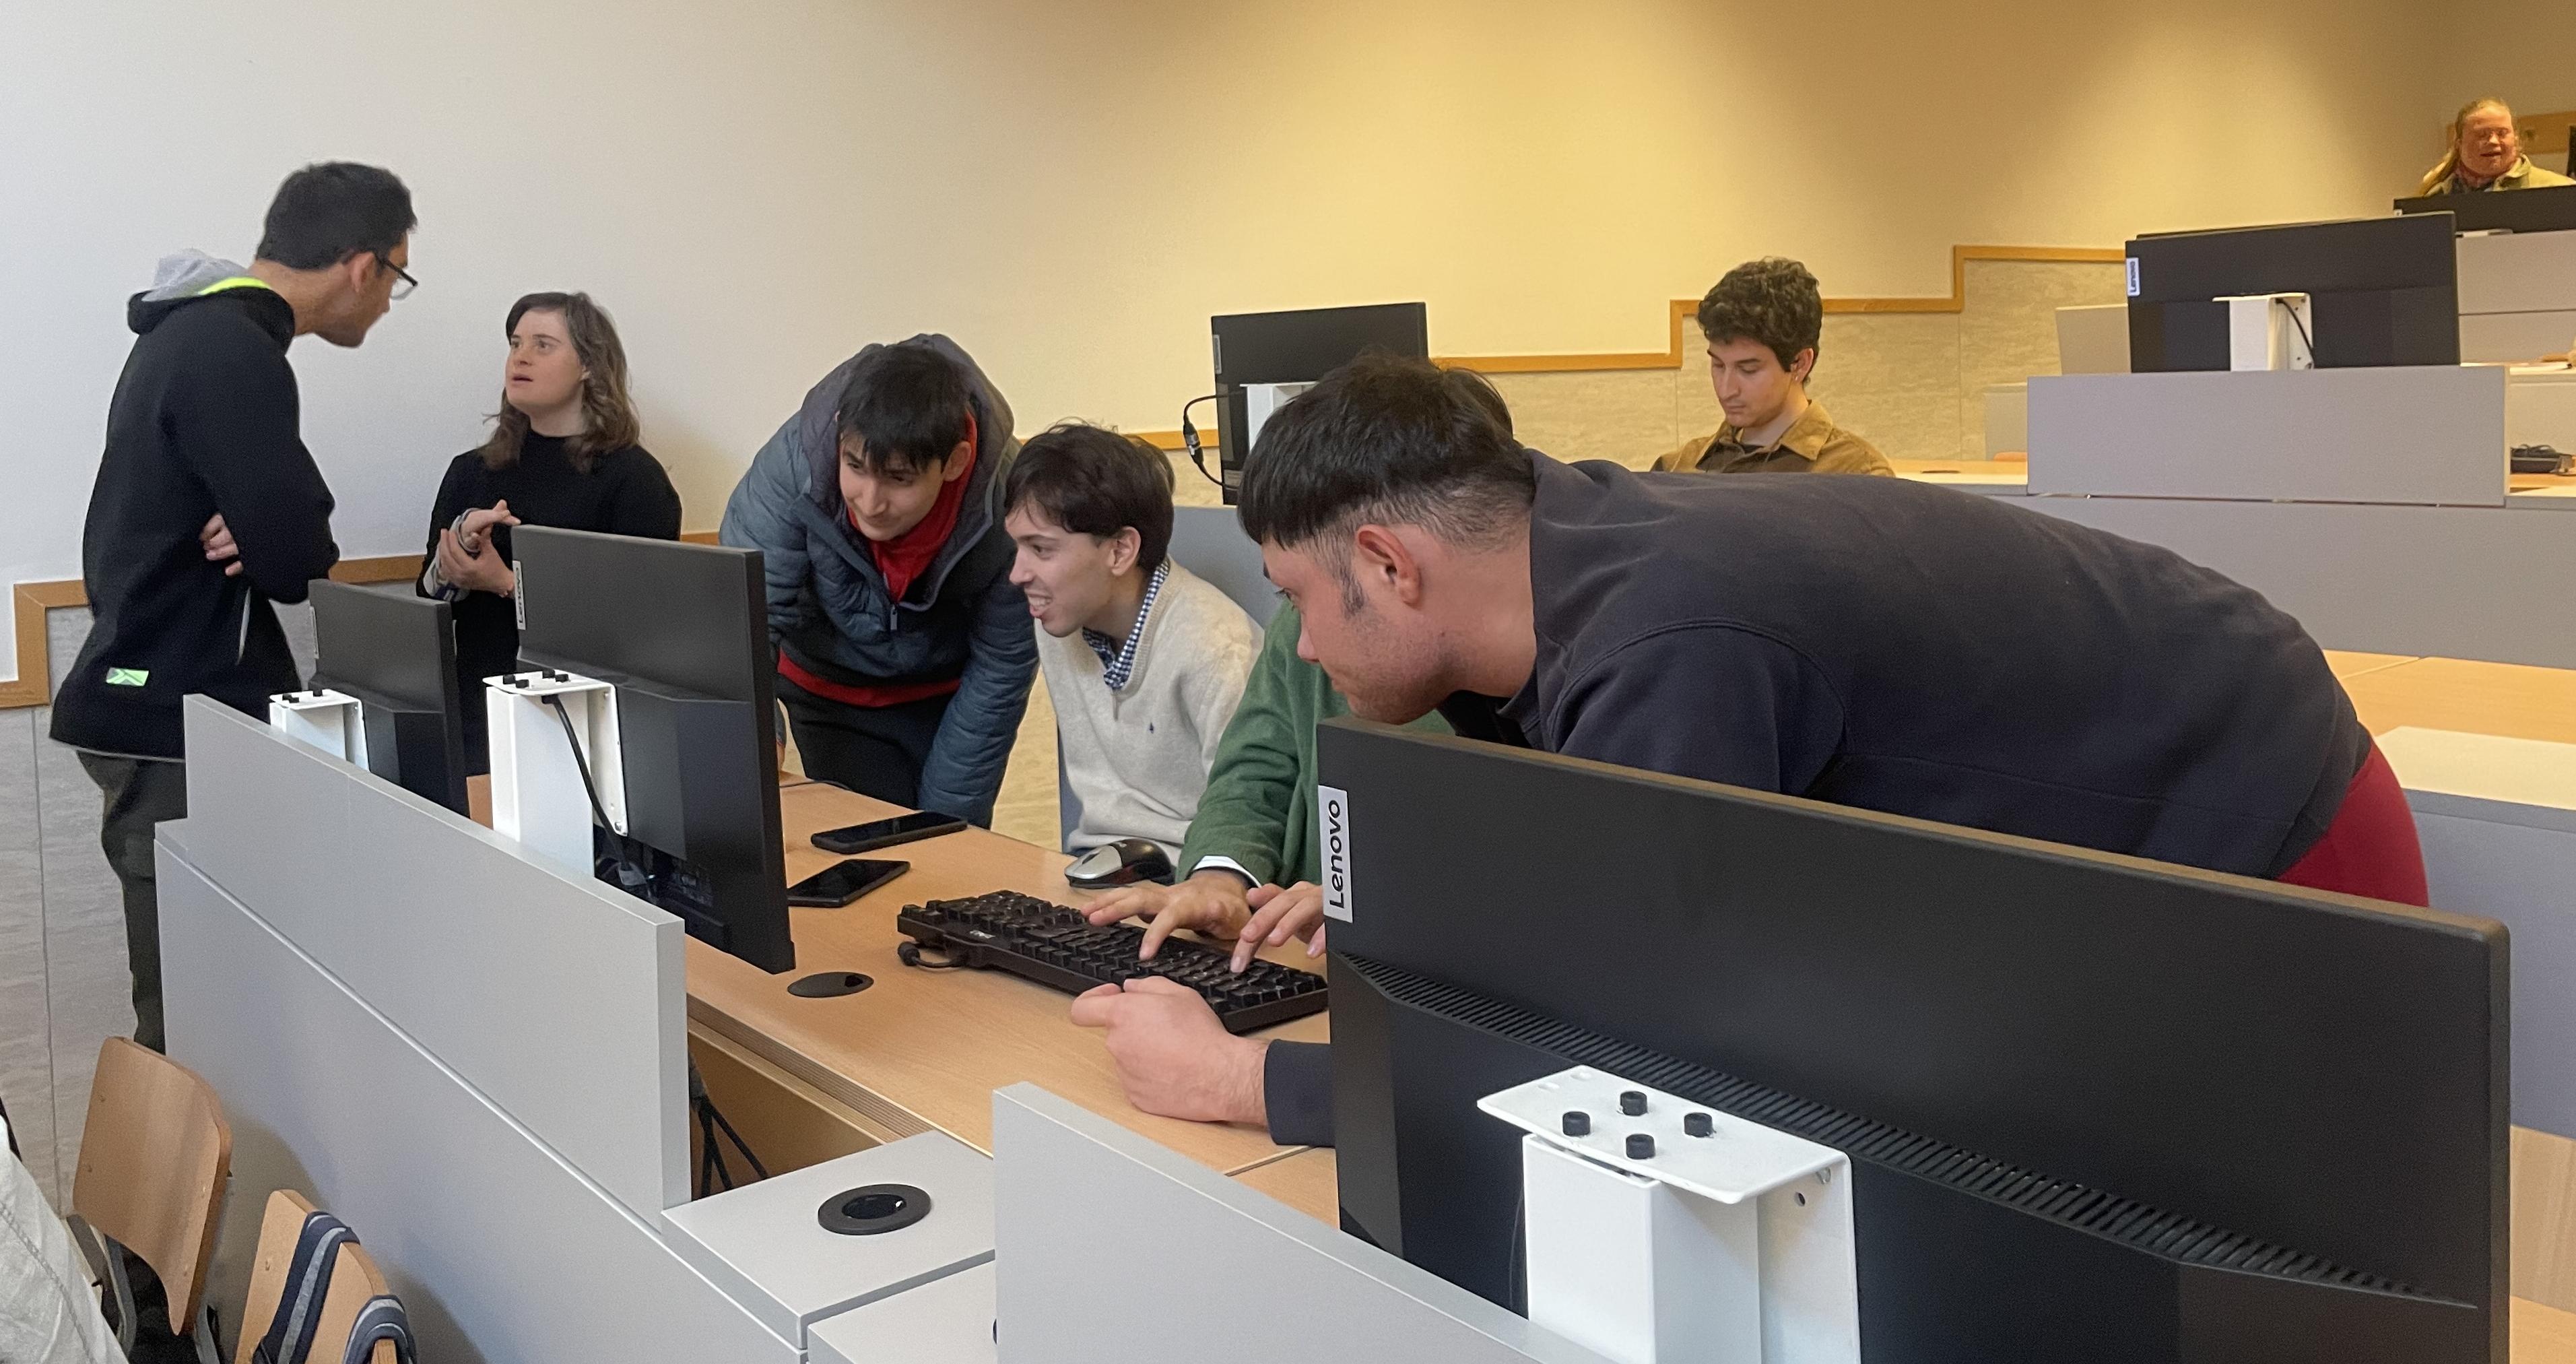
1056,946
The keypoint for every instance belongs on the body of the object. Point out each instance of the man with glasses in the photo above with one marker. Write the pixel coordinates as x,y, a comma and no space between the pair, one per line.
208,508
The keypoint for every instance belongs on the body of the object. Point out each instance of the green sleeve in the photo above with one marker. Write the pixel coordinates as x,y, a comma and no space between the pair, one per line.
1260,768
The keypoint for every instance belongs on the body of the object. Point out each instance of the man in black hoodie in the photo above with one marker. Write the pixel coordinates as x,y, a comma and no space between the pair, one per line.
208,507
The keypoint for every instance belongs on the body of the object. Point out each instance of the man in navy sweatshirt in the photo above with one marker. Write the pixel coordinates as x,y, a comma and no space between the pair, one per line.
208,508
1805,636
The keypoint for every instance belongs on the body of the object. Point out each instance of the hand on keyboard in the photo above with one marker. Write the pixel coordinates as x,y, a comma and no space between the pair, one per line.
1278,915
1173,1057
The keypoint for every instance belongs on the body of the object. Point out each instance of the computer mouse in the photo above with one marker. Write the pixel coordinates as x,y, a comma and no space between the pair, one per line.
1121,863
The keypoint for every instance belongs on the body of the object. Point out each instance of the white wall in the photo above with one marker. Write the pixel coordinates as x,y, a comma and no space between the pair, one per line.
756,188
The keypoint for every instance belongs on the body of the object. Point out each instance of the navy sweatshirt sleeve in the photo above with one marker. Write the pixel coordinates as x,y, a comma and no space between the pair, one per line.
1761,715
235,426
1297,1088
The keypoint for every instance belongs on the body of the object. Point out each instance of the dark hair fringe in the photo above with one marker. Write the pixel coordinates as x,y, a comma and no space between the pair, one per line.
1093,481
1390,440
906,405
1773,301
332,210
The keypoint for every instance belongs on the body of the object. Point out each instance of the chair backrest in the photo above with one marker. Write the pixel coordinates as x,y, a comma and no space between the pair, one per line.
154,1160
1209,541
354,1280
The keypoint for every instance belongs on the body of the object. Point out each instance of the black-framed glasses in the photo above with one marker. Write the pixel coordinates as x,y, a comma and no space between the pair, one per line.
403,282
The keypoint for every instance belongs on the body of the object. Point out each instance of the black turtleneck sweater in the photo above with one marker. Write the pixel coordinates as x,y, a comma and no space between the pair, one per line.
625,492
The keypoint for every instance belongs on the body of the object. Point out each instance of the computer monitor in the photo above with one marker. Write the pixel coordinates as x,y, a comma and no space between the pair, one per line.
2382,291
396,653
2523,210
1255,352
682,631
2097,1108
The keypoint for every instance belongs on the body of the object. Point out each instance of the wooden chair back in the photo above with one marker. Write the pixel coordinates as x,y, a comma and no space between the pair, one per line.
354,1280
154,1160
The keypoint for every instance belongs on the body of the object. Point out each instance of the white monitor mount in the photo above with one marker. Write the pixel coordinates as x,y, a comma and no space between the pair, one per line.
328,720
1660,1232
2270,331
543,787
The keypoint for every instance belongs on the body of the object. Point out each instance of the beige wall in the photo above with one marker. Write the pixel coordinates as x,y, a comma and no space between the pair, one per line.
757,188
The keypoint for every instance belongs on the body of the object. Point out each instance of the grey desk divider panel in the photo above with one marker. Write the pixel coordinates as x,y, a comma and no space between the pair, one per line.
501,1250
1209,541
2419,434
556,997
2451,582
946,1321
1094,1226
2518,272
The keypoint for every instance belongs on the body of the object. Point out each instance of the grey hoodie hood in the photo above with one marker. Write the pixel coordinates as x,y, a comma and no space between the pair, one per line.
180,279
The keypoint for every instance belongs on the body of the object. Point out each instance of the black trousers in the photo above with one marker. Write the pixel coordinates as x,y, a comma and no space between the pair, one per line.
874,750
139,794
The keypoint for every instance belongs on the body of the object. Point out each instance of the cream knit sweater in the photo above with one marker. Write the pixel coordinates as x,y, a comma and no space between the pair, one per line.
1135,760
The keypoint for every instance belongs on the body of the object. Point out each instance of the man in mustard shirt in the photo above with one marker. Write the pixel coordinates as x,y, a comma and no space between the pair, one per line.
1763,322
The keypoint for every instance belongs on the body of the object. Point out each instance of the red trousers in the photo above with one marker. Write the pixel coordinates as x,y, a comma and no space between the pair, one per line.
2370,849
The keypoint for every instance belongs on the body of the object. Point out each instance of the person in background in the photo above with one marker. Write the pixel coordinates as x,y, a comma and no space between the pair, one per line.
208,508
904,649
562,453
1146,690
1763,322
2485,153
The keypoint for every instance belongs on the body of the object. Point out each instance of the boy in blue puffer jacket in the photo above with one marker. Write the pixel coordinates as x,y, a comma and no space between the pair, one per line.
904,652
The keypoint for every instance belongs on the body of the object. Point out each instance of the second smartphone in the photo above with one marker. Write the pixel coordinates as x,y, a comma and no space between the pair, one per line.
842,882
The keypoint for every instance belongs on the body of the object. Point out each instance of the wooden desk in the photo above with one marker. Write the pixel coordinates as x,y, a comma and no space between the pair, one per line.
1306,1181
926,1049
2476,698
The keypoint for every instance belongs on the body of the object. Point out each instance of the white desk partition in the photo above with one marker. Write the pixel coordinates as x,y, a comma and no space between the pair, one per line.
2450,582
472,1059
558,997
2419,434
2498,821
2517,295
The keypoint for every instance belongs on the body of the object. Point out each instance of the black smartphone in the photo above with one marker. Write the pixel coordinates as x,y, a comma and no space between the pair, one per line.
842,882
885,833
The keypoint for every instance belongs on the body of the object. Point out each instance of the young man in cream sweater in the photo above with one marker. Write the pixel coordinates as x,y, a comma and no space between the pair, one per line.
1144,661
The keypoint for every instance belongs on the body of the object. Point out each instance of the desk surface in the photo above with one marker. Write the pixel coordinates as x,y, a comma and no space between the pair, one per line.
2509,699
1305,1181
926,1049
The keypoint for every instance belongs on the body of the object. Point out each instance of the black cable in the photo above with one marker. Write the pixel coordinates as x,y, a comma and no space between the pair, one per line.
1190,438
599,811
758,1170
2304,338
909,953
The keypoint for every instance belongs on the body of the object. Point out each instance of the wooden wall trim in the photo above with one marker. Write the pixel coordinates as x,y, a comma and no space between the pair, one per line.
1680,312
30,602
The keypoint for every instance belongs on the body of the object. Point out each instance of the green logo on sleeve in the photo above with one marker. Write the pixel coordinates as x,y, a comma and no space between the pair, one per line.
128,677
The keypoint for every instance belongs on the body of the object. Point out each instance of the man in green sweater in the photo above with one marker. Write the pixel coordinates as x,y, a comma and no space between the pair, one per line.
1255,827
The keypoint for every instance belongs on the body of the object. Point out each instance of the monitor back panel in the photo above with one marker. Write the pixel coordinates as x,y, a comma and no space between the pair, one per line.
2303,1073
2383,291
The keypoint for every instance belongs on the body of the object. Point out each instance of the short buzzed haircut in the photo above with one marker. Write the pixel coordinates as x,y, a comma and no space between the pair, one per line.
326,213
1773,301
1394,441
1093,481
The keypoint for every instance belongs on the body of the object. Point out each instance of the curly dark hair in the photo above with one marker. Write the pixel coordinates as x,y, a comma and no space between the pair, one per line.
1773,300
